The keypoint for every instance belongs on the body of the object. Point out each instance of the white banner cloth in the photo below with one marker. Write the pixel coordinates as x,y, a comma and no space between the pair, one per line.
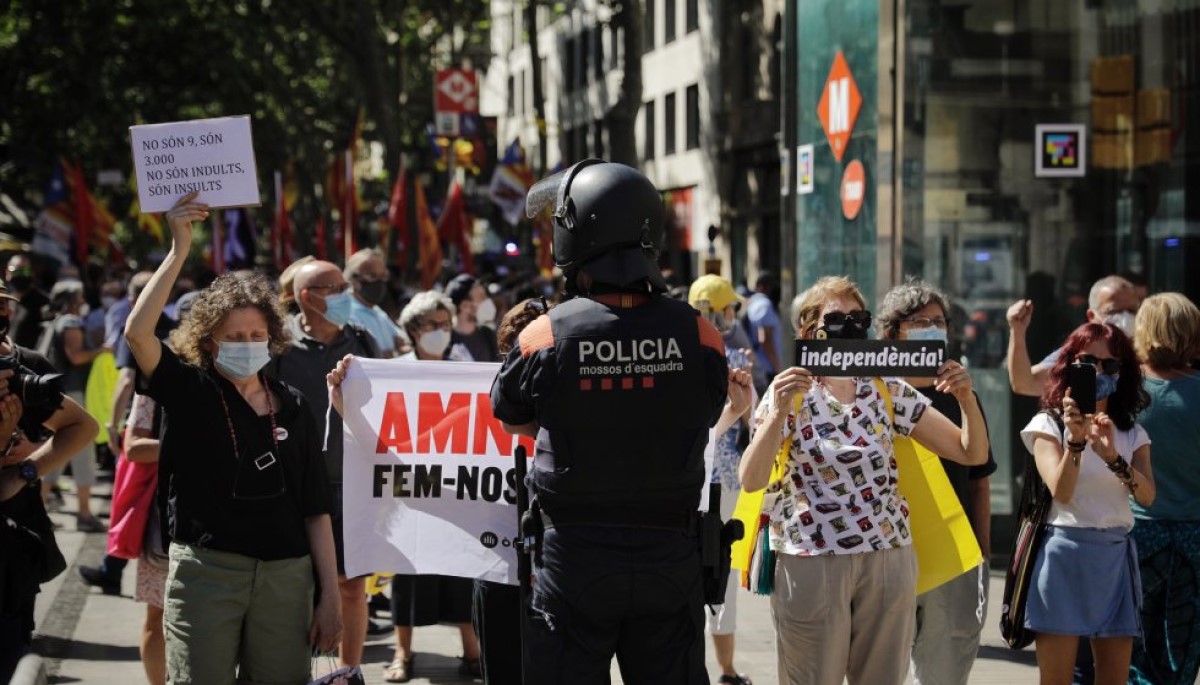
429,480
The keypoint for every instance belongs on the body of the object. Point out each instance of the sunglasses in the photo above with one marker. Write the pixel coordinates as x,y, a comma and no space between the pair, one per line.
1108,366
836,320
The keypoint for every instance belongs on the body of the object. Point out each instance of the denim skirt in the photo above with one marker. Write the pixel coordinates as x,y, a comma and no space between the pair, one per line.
1086,582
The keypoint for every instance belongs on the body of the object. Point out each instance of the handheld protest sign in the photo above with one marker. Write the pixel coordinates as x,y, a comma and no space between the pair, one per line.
858,358
212,156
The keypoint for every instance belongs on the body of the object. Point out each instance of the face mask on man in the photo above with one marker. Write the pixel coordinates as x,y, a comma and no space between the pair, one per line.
372,291
485,313
242,359
1126,321
434,342
932,333
337,309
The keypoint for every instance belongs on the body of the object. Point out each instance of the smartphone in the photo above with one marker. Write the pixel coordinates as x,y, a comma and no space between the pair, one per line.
1081,378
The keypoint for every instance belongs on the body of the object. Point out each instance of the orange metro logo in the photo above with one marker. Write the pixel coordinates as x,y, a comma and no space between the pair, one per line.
839,106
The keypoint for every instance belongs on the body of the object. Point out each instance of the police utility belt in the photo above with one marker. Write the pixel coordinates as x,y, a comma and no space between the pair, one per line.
688,522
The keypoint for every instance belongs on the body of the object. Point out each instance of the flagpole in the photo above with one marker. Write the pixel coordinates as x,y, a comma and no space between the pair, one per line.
218,245
348,199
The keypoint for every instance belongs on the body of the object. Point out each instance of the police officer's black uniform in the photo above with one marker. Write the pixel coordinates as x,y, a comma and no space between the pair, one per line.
623,385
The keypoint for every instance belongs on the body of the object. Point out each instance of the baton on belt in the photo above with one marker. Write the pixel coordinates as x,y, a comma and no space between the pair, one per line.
526,540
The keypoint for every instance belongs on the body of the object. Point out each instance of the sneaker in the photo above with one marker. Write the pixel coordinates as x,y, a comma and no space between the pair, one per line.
94,577
90,524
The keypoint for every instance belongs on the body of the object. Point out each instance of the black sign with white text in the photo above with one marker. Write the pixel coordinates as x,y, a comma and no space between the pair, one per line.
855,358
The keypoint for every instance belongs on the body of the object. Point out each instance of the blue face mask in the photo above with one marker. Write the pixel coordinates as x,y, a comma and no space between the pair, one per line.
1106,384
337,309
242,359
931,333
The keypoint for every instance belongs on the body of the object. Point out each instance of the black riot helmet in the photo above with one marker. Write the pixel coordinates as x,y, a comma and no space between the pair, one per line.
608,221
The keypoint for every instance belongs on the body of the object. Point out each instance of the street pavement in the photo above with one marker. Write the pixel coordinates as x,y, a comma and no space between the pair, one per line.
88,637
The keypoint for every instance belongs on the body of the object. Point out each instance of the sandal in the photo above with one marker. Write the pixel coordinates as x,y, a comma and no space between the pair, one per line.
399,671
471,667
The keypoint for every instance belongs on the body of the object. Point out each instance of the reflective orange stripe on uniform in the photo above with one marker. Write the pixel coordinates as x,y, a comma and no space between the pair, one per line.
536,336
709,335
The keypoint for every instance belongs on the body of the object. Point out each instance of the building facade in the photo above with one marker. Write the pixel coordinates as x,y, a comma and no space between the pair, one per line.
582,52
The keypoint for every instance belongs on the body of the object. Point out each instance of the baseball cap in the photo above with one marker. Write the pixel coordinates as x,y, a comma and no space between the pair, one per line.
716,290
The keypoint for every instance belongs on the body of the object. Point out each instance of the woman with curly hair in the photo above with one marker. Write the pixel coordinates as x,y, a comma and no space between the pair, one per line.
1085,579
1167,534
242,485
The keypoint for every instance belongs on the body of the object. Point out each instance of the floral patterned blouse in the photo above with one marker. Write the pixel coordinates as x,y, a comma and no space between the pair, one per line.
838,494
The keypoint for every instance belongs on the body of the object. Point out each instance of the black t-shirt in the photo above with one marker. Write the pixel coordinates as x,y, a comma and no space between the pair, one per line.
254,502
481,344
26,323
960,476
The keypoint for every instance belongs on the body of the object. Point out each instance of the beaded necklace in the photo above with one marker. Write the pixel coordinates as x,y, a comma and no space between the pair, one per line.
229,421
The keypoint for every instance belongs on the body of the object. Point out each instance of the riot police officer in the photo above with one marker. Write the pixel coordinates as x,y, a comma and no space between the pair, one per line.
620,386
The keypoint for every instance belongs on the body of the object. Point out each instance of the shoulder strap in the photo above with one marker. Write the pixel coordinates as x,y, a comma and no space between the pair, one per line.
887,397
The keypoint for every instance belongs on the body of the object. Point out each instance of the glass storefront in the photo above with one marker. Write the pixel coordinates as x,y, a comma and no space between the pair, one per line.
981,80
1019,148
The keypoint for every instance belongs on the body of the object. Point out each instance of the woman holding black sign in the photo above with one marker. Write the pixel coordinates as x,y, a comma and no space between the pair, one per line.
242,483
844,587
1093,458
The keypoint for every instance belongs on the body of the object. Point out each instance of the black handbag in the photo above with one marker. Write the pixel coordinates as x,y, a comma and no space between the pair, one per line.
1031,531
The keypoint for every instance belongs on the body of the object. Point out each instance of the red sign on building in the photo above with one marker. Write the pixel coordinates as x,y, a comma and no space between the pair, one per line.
854,189
839,105
455,93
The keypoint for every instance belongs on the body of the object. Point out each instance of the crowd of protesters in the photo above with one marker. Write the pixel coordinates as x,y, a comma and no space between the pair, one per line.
214,401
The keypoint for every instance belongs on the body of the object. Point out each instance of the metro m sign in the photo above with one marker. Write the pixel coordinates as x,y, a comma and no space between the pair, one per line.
839,105
456,90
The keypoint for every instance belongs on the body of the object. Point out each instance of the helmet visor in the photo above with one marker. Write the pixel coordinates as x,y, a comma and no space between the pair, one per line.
544,193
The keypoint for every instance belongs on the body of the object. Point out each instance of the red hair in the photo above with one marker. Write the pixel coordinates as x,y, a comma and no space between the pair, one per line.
1128,400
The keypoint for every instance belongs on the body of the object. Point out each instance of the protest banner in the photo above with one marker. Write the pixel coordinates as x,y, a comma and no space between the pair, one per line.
212,156
429,482
859,358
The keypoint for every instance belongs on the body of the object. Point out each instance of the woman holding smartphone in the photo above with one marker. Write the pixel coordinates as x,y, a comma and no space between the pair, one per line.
1085,580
